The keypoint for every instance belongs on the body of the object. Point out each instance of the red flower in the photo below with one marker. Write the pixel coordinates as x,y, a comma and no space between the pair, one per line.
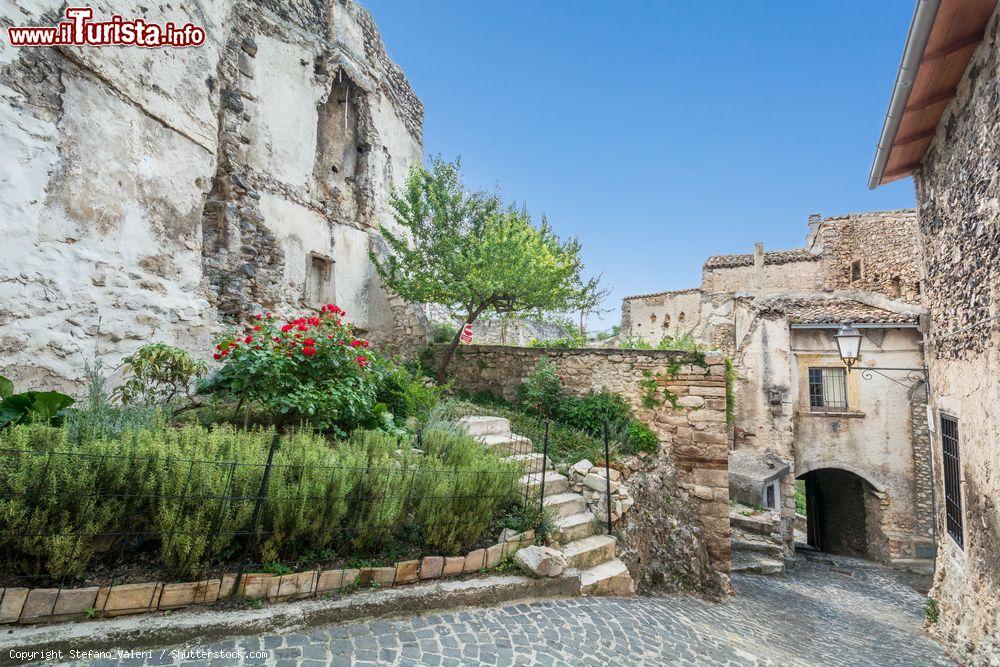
286,328
303,327
216,356
256,327
309,341
309,351
362,360
259,316
248,339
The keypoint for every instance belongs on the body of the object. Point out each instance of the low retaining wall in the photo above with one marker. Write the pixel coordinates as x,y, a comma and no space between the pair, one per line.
683,401
43,605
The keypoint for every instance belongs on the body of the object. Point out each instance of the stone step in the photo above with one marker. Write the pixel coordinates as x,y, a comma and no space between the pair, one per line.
482,425
564,504
574,527
751,563
531,462
590,551
506,443
554,483
915,565
760,523
754,542
610,578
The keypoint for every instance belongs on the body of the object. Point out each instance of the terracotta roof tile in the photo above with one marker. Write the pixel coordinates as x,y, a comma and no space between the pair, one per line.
835,311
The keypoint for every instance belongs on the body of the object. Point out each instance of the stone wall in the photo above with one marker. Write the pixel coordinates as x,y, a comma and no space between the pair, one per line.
885,244
958,198
801,275
164,193
693,437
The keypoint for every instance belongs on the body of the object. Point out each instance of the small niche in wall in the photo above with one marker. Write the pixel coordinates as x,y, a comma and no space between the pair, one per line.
856,272
320,286
896,286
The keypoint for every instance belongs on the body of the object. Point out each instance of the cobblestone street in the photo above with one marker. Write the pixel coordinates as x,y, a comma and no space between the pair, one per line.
825,612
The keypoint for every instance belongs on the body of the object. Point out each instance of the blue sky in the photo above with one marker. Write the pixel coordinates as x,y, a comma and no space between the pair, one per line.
659,133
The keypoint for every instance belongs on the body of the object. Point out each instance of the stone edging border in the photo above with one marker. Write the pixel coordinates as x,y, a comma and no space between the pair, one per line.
43,605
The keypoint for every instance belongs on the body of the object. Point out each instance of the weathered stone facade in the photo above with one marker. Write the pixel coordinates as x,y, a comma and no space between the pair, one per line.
165,192
694,443
774,313
958,197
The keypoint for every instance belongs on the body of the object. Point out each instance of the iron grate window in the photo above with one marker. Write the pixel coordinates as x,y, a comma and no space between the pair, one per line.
952,479
827,390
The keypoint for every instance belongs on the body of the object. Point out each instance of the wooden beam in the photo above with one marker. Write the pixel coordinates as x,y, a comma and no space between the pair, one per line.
957,45
905,170
917,136
931,100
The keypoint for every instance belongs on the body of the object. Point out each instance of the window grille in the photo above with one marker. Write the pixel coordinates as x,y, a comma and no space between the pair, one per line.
952,479
827,390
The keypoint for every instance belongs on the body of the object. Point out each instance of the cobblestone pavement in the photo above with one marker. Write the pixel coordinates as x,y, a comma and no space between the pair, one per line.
835,612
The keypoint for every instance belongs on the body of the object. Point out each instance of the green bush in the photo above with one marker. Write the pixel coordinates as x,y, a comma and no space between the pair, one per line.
404,393
443,332
459,488
189,494
542,391
30,406
159,373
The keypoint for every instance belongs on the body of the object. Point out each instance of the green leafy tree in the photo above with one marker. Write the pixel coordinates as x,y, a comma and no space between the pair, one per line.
469,252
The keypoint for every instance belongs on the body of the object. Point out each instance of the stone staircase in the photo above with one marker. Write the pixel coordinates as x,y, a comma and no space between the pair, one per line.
578,532
756,541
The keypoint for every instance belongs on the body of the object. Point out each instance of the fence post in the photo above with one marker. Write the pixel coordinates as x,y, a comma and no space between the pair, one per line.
545,460
251,542
607,472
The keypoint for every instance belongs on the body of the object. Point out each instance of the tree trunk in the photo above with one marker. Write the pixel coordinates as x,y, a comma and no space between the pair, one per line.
442,371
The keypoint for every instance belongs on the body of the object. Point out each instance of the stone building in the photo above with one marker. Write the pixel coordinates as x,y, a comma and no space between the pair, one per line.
160,194
859,443
943,128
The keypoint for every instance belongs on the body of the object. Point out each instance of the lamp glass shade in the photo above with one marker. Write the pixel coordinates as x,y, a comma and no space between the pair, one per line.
848,343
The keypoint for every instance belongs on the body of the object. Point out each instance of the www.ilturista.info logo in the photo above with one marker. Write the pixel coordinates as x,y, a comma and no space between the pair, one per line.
79,30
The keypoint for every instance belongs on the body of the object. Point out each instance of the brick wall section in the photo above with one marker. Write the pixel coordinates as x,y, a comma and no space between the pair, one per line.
885,242
693,437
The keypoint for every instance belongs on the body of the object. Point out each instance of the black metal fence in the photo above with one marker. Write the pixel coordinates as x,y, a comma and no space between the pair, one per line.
107,532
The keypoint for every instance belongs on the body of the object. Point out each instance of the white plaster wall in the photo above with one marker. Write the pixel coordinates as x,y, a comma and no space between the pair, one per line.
283,132
99,213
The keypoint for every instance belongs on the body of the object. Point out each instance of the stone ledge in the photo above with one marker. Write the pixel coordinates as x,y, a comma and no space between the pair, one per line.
207,626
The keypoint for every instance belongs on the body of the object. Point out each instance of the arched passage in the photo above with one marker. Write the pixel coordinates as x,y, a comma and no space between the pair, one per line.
839,513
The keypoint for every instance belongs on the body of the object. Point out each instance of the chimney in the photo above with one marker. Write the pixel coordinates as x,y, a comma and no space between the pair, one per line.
813,238
758,265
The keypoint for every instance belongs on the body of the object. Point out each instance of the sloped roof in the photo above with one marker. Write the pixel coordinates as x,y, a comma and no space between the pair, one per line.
771,257
836,311
942,38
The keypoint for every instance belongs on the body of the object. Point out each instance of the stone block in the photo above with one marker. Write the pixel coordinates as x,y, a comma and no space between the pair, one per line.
175,596
291,586
615,474
49,603
715,478
696,390
127,599
407,572
599,483
540,561
255,585
706,415
580,469
378,576
453,565
691,401
493,555
475,561
11,603
431,567
702,492
334,580
710,437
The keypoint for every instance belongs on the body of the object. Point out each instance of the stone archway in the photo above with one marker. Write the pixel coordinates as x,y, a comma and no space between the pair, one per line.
840,515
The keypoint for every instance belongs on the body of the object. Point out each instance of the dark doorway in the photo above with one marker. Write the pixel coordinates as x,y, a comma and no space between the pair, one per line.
836,519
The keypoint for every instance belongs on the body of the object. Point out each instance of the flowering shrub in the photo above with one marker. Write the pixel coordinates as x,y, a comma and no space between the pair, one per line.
308,369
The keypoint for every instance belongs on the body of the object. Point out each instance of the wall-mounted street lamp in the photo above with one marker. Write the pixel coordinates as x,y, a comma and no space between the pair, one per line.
849,344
